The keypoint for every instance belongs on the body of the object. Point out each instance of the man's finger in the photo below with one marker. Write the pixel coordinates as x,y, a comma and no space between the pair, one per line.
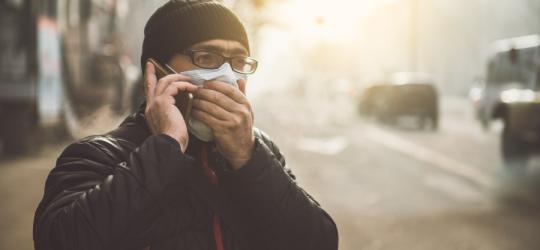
166,80
149,81
227,89
206,118
175,88
242,85
212,109
217,98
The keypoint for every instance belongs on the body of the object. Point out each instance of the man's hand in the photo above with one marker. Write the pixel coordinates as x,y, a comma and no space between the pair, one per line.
226,110
161,114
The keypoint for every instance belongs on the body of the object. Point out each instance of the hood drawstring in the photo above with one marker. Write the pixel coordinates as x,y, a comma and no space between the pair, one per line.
208,170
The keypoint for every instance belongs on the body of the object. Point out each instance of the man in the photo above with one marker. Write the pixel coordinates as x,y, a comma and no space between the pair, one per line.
159,182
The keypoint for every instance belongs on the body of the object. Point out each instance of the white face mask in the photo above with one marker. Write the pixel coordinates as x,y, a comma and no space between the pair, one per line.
198,76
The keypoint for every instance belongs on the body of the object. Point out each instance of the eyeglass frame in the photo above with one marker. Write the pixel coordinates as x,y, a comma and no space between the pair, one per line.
191,54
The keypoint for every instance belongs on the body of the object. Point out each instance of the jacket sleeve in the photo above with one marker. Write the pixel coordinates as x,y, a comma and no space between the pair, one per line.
93,202
272,210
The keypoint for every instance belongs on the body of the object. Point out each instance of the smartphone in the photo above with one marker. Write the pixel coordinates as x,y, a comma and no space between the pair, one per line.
183,100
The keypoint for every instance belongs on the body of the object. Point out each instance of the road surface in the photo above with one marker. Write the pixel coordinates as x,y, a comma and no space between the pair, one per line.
386,187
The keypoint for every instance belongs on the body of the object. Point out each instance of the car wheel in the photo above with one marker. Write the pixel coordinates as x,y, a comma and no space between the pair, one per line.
422,122
485,124
388,119
434,122
427,122
515,152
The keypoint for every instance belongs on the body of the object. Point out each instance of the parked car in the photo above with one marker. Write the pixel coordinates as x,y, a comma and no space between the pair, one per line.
405,95
511,93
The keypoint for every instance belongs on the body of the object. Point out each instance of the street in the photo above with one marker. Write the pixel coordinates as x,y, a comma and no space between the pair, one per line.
385,187
415,124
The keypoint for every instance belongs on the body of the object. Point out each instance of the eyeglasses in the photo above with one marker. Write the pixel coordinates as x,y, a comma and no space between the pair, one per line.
211,60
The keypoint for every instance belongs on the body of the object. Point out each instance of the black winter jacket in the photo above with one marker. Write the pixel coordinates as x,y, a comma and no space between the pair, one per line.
129,189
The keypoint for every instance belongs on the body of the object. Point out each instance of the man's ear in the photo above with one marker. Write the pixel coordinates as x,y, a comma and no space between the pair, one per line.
242,85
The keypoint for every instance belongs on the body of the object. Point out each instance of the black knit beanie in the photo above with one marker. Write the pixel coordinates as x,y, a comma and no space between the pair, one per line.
179,24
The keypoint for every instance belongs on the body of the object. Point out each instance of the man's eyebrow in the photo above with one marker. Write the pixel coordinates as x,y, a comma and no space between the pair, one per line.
215,48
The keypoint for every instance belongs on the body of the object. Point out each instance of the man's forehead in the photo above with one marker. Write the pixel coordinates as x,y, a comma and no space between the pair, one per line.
222,45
